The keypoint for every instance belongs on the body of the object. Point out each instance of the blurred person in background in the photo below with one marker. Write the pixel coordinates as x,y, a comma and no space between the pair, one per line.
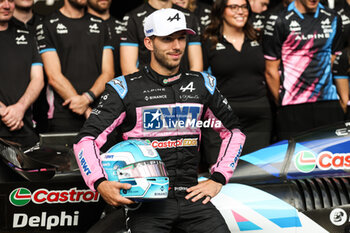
21,77
78,60
24,16
102,9
343,9
300,44
200,9
258,15
232,51
341,70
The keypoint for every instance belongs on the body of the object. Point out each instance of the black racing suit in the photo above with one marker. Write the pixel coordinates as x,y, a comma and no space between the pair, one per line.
168,112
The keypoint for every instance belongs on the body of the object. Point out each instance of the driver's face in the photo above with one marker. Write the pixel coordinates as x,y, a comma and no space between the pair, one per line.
168,50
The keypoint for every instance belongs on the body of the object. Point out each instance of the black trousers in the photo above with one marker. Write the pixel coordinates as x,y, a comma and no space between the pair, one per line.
294,119
176,215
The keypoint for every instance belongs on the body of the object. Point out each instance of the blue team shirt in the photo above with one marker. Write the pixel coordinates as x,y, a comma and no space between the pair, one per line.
304,43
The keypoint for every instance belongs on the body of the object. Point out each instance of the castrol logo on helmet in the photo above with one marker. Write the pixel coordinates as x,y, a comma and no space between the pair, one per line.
306,161
22,196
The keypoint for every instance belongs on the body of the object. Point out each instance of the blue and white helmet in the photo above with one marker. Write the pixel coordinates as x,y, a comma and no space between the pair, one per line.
136,162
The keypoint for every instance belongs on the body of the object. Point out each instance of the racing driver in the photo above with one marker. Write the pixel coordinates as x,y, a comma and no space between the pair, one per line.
167,107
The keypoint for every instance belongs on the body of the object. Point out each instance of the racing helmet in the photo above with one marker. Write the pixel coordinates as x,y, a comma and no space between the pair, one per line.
136,162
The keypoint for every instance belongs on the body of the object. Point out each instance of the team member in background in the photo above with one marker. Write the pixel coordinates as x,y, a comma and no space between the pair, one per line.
343,9
21,77
258,16
229,44
154,104
134,54
341,70
78,59
115,26
200,9
24,17
299,46
277,8
101,9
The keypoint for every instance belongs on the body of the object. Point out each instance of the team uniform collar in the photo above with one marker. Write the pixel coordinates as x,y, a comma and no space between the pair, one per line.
161,79
30,22
292,6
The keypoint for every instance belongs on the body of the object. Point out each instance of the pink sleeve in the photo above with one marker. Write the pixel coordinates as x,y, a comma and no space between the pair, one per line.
88,157
87,154
230,150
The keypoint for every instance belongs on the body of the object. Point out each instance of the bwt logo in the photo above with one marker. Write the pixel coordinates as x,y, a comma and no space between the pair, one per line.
83,163
170,117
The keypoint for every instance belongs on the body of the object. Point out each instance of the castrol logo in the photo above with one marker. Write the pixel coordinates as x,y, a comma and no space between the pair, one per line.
183,142
306,161
22,196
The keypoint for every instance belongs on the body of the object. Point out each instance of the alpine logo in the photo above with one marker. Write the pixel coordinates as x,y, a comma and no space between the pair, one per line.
326,22
22,196
176,16
94,28
326,26
21,40
189,87
306,161
258,24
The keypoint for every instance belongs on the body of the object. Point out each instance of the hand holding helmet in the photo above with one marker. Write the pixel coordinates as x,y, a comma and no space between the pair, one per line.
137,163
110,191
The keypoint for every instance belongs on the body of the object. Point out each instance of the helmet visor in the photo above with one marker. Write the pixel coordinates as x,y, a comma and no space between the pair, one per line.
144,169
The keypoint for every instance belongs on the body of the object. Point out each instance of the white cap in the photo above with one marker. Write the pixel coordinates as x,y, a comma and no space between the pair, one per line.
164,22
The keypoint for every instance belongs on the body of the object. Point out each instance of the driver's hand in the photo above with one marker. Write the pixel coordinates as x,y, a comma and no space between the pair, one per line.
207,189
110,192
